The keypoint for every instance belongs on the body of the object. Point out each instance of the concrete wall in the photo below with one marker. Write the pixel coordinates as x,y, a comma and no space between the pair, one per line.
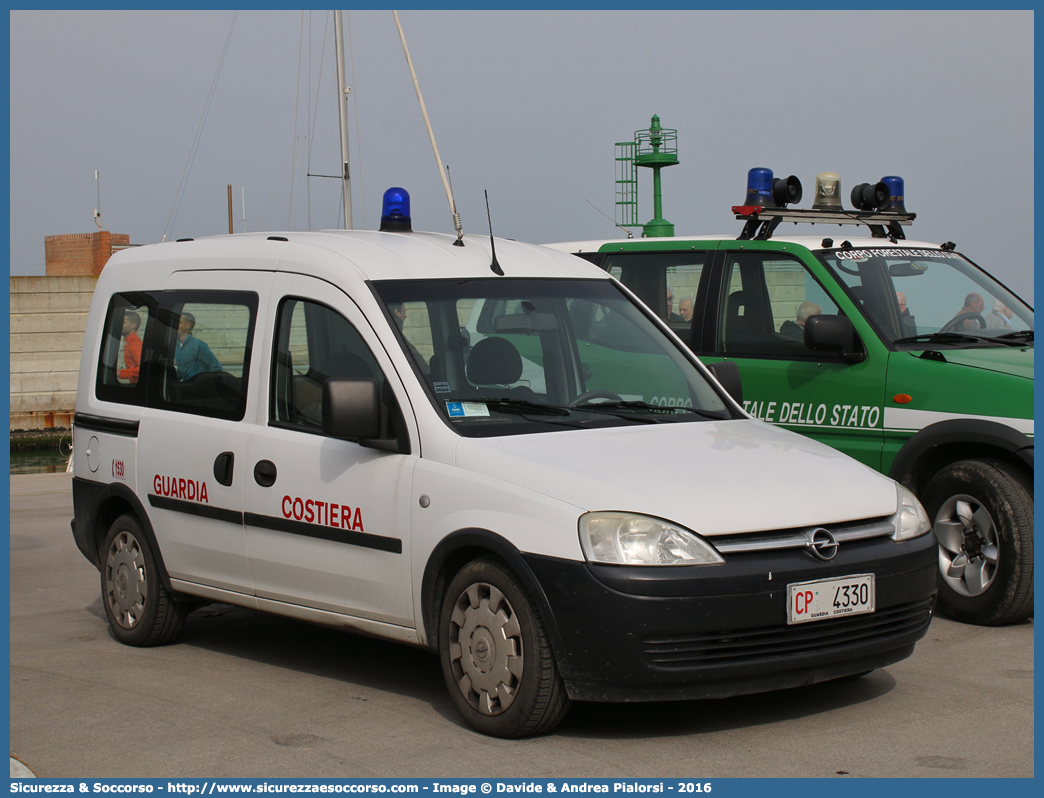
48,318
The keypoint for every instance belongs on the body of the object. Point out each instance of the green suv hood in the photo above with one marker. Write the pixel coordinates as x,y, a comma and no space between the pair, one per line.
1014,361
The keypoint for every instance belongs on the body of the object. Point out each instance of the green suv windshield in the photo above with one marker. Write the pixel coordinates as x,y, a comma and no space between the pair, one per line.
506,356
919,298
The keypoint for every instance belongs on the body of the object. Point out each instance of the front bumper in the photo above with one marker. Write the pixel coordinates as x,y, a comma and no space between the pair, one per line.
640,633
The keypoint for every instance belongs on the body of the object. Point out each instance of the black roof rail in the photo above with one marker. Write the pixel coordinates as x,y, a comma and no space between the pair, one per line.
762,222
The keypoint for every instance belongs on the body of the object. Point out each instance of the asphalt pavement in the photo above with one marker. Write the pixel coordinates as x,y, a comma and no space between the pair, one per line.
243,694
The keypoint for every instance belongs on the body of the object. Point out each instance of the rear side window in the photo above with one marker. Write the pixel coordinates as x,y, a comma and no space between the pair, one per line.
186,351
198,352
120,354
668,282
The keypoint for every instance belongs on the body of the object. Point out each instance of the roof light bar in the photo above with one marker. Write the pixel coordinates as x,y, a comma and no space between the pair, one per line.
880,206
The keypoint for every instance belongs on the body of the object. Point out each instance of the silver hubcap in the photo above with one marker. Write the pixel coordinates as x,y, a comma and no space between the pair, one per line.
969,550
125,585
486,649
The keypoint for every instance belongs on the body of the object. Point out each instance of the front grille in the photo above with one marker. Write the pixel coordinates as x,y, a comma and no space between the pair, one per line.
799,538
753,645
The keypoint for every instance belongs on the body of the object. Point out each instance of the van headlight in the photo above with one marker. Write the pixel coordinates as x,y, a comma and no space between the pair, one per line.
627,539
910,520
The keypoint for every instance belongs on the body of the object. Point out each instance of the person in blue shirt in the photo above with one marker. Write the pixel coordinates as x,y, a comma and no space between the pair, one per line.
192,356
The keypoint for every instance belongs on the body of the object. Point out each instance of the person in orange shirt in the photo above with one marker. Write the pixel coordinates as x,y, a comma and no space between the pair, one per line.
131,348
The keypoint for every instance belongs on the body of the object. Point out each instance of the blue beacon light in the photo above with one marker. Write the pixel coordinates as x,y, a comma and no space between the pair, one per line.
395,211
759,188
896,189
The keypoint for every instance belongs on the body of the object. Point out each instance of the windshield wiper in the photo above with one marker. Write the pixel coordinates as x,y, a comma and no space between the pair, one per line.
626,405
1020,335
961,338
524,407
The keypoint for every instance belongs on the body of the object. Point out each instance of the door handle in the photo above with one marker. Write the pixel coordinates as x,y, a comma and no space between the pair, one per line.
223,468
265,473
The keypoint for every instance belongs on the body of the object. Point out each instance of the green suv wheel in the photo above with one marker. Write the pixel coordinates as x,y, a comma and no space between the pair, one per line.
982,516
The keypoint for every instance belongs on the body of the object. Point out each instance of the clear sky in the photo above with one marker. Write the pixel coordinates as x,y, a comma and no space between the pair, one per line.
526,105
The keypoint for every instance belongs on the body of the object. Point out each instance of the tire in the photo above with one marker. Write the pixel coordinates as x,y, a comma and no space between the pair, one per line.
496,659
139,609
982,515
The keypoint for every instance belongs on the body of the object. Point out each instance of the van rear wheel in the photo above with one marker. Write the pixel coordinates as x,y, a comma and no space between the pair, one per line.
982,515
496,659
139,609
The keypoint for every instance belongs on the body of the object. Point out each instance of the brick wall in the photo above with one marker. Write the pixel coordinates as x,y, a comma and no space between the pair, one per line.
81,253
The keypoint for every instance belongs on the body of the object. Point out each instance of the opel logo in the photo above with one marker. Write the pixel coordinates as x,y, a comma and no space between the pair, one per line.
822,543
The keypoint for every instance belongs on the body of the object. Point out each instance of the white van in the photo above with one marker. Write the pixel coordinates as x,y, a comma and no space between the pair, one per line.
526,472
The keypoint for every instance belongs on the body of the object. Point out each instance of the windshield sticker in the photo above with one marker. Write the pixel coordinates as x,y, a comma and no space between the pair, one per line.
866,254
441,387
466,409
809,413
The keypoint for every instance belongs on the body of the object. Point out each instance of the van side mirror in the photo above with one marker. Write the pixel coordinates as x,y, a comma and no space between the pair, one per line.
351,409
833,334
727,373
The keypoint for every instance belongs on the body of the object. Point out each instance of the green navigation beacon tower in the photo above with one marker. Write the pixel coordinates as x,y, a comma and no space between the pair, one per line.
654,148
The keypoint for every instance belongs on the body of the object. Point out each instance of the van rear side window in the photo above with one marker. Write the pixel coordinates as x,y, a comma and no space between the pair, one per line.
119,367
190,351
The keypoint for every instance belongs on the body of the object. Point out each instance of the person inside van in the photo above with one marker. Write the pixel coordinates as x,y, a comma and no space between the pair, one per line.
796,329
131,347
192,356
398,312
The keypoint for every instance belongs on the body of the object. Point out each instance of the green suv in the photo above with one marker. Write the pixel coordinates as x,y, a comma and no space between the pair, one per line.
905,355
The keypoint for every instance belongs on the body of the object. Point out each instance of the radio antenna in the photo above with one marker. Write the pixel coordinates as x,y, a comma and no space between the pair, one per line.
492,247
438,160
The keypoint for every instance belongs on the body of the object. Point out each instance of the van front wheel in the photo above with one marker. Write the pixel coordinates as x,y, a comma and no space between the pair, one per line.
982,515
139,609
496,658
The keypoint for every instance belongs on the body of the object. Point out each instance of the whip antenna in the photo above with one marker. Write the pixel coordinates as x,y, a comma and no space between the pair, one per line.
438,160
492,247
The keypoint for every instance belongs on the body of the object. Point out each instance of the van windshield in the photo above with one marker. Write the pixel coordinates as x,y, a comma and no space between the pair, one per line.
918,298
506,356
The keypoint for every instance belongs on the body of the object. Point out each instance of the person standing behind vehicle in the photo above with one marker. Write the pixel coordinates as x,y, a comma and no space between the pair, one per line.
685,308
671,315
1000,316
131,347
909,325
192,356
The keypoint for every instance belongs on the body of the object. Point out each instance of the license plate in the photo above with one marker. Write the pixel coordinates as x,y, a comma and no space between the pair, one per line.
830,598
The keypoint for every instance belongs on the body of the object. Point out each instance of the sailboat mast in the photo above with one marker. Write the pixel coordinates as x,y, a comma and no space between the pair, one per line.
342,105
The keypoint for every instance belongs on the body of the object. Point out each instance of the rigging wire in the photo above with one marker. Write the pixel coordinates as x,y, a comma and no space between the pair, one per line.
179,195
297,106
355,108
315,113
